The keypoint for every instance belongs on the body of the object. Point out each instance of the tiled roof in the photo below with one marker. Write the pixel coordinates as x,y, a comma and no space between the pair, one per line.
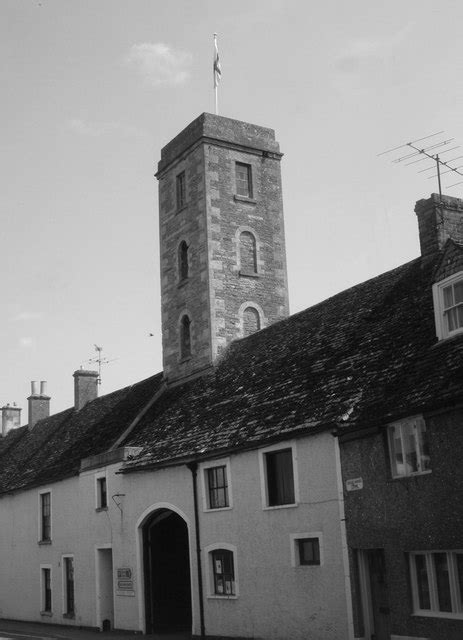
365,356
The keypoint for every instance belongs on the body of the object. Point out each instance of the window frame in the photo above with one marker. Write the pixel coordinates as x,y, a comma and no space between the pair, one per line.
183,262
99,477
67,613
43,590
250,191
41,516
442,330
205,467
294,549
210,571
402,424
456,596
180,190
281,446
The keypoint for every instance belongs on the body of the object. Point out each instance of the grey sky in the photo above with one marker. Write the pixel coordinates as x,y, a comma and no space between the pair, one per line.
92,89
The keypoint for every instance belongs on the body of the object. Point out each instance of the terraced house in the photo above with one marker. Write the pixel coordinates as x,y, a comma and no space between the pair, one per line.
210,497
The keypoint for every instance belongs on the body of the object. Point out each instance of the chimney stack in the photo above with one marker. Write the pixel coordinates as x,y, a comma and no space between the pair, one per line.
39,403
85,387
438,220
11,418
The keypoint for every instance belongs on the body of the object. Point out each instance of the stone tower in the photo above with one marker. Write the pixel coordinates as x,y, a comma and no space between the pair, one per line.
223,260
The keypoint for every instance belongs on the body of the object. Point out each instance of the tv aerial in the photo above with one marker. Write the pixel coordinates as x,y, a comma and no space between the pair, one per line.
100,360
434,152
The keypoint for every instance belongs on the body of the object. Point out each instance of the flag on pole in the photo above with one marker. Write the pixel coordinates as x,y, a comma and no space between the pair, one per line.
217,69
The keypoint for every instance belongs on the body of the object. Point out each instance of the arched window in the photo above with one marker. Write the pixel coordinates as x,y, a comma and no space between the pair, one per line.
251,321
248,252
185,337
183,261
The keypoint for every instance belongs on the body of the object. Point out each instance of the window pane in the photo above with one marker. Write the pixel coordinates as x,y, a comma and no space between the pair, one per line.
409,444
448,297
422,582
425,462
280,478
443,582
458,292
459,570
395,444
309,551
460,316
452,320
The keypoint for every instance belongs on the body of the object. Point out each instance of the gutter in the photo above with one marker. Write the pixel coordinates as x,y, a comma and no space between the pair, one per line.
193,467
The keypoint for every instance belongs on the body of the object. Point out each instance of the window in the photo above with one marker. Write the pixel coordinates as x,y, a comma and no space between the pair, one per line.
45,516
448,306
68,582
251,321
437,582
182,261
46,590
217,487
278,476
101,493
223,572
248,253
243,179
306,549
408,447
185,337
181,190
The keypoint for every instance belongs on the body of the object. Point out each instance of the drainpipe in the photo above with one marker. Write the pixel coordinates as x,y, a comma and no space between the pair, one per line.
193,467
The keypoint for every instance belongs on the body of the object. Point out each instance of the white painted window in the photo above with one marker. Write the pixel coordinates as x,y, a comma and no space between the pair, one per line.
46,602
408,447
448,306
67,564
243,180
306,549
216,483
101,491
44,516
279,478
221,571
437,583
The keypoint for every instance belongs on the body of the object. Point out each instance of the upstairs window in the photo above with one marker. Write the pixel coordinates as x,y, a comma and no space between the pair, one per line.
251,321
408,446
243,178
448,306
45,517
181,190
278,476
248,253
101,493
217,487
182,261
185,337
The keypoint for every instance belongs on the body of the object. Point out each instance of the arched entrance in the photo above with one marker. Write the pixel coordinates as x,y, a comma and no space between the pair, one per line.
166,567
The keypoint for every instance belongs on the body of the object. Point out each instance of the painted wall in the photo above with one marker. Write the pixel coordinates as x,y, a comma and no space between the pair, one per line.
276,600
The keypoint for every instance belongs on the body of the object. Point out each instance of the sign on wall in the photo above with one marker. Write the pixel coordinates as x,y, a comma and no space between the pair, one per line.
125,586
354,484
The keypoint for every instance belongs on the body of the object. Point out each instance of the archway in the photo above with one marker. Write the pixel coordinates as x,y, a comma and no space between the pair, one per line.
166,567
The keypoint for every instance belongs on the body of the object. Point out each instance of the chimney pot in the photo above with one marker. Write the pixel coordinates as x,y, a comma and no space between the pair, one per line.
43,387
34,388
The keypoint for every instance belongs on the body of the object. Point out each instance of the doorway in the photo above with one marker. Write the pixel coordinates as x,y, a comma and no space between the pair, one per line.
104,593
166,565
375,594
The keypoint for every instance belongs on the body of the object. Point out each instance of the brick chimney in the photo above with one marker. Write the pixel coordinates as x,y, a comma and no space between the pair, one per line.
85,387
438,220
11,418
39,403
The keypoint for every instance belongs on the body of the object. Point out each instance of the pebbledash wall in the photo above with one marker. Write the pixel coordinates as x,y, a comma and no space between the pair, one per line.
270,585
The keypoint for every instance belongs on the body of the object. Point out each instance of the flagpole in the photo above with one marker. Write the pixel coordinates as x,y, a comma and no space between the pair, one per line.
217,74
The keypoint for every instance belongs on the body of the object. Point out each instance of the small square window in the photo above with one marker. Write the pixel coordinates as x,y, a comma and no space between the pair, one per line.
243,178
102,493
408,446
279,477
217,487
181,190
223,572
308,551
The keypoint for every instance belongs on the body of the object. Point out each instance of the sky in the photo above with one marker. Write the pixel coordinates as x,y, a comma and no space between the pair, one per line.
93,89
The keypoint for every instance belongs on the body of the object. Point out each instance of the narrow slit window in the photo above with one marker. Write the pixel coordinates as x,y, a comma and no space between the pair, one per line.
183,267
181,190
185,337
45,517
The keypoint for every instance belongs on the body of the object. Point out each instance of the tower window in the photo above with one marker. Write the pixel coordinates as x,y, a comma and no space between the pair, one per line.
185,337
183,261
181,190
251,321
248,253
243,179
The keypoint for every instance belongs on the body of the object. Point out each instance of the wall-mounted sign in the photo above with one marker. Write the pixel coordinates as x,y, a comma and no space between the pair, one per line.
124,582
124,573
354,484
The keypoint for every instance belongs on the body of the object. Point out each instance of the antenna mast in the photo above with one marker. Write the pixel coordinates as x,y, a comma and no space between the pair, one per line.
99,360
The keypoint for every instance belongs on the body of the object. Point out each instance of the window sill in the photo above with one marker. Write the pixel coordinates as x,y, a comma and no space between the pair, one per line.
216,596
44,542
438,614
69,616
280,506
238,198
98,509
46,614
216,509
411,475
248,274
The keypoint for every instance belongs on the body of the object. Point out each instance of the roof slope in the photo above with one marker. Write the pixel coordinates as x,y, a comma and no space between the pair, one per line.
365,356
